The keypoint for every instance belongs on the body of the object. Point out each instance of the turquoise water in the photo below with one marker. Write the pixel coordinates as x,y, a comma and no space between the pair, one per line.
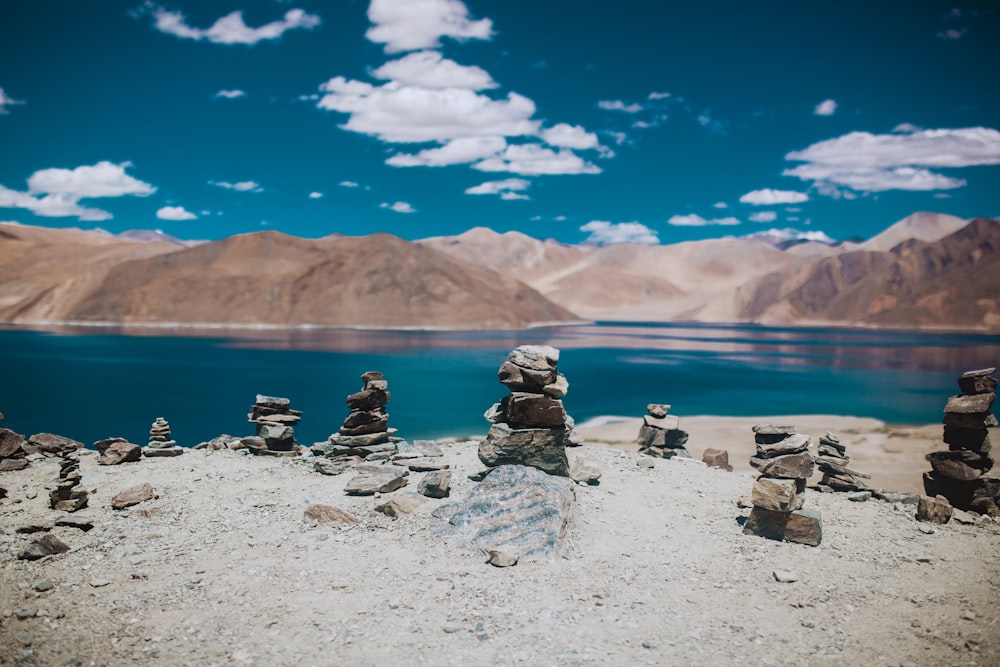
90,384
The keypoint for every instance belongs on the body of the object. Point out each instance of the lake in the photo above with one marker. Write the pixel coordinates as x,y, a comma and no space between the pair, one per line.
89,383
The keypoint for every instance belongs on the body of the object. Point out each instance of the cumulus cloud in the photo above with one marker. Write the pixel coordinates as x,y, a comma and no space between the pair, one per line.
534,159
695,220
763,216
618,105
6,101
789,234
410,25
877,162
906,128
658,96
242,186
57,192
769,197
564,135
315,195
826,108
175,213
229,94
603,232
720,204
349,184
230,29
509,188
428,69
398,207
457,151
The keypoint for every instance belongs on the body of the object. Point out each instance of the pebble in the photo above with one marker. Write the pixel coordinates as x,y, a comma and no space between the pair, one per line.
968,615
859,496
23,614
645,463
926,530
785,577
141,573
43,586
31,493
451,628
923,558
98,583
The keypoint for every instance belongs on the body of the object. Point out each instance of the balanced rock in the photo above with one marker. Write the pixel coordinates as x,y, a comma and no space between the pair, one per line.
365,431
160,443
67,496
977,382
660,434
832,462
274,419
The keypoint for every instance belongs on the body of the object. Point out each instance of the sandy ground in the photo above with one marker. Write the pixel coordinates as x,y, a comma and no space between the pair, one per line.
655,570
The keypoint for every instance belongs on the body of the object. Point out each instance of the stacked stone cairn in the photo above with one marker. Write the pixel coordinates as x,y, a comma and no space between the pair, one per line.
660,434
66,497
832,462
530,426
274,419
963,473
160,443
366,430
785,464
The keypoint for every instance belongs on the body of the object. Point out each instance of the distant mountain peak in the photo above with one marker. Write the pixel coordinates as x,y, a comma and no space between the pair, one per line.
788,237
922,226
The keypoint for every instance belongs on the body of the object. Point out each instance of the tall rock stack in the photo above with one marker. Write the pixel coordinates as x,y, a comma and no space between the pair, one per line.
530,426
274,419
962,474
366,429
160,443
66,497
832,462
660,434
785,464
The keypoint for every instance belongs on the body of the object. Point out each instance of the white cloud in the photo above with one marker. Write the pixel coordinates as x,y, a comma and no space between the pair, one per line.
175,213
534,159
720,204
952,34
457,151
509,188
6,101
242,186
658,96
230,29
315,195
618,105
398,207
349,184
695,220
906,128
789,234
877,162
230,94
410,25
50,206
603,232
619,137
826,108
763,216
769,197
401,114
564,135
428,69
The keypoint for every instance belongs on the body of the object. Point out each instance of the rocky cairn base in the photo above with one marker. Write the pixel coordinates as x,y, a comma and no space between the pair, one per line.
366,430
963,474
66,496
530,426
13,456
274,420
785,464
660,434
160,443
832,462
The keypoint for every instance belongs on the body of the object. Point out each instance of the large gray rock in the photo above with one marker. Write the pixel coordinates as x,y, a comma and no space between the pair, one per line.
542,448
515,509
535,357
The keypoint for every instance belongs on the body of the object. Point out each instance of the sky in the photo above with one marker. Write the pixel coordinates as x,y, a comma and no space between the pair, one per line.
600,122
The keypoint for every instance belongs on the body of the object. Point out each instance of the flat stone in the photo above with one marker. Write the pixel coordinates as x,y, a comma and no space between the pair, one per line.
328,515
335,466
801,526
364,423
83,523
524,410
767,433
790,466
970,403
273,402
778,495
133,496
424,463
502,557
975,439
784,576
651,436
962,517
716,458
792,444
46,545
515,508
52,443
43,585
161,452
516,378
837,466
401,504
435,484
933,510
961,464
832,452
99,582
12,465
558,387
10,443
859,496
34,527
978,382
544,449
658,410
902,497
974,420
368,399
535,357
118,452
666,422
583,471
372,479
154,508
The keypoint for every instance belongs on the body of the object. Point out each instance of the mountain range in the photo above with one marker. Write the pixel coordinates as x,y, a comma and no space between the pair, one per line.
926,271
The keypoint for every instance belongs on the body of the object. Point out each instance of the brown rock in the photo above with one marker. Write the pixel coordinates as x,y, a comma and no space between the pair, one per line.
973,420
544,449
516,378
524,410
558,387
79,522
401,505
777,495
934,510
152,509
118,452
961,464
46,545
768,433
977,382
970,403
836,466
716,458
666,422
10,465
327,515
790,466
368,399
10,444
975,439
658,410
435,484
133,496
792,444
50,443
372,479
801,526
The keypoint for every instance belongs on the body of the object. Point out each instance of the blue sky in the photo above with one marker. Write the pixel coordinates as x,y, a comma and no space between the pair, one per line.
603,121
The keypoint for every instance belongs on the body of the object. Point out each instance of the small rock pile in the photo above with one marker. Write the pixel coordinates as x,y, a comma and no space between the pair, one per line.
660,434
785,464
274,418
832,462
160,443
66,497
365,432
530,426
962,474
12,453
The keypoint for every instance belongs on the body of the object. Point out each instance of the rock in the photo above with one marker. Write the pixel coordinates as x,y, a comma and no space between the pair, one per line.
524,410
716,458
972,421
335,466
35,527
802,526
371,479
51,443
653,436
784,576
133,496
42,586
768,433
515,508
933,510
557,388
974,439
667,422
99,582
12,465
901,497
970,403
46,545
788,466
502,557
778,495
658,410
435,484
645,463
10,444
859,496
583,471
424,463
327,515
962,517
401,505
117,452
368,399
978,381
152,509
79,522
156,452
535,357
793,444
516,378
960,464
544,449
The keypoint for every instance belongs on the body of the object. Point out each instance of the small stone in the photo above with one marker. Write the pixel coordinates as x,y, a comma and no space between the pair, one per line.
42,586
46,545
962,517
435,484
923,558
859,496
716,458
658,410
645,463
25,614
327,515
401,505
926,530
968,615
371,479
502,557
99,583
152,509
934,510
583,471
31,493
80,522
133,496
141,573
785,577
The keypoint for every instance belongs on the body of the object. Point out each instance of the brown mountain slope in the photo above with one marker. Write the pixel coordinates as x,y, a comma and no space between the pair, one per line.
922,226
948,283
274,279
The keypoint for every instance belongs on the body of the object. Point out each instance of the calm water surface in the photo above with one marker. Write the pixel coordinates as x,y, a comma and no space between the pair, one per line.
90,384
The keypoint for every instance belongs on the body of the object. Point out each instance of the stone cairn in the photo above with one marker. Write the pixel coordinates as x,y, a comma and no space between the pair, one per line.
962,474
367,424
66,497
785,464
832,462
274,419
530,426
160,443
660,434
